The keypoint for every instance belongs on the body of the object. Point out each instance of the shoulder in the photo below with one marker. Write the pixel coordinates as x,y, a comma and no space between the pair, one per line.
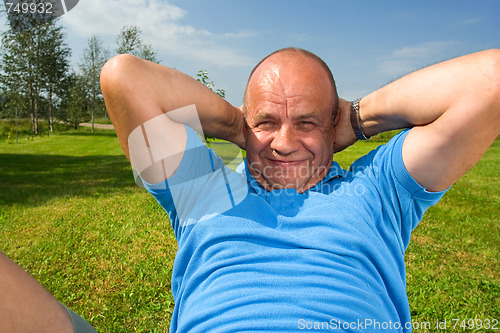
389,153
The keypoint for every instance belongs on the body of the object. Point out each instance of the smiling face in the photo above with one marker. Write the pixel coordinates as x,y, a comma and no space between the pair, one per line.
289,107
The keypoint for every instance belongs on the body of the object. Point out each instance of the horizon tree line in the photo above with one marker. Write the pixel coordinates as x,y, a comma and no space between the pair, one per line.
37,81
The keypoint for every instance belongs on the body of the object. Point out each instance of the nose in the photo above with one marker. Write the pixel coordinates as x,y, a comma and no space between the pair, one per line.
285,140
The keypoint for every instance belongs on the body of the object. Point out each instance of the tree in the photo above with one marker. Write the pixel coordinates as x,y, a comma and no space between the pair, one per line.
3,102
77,102
56,65
203,78
93,59
147,53
34,61
20,71
130,41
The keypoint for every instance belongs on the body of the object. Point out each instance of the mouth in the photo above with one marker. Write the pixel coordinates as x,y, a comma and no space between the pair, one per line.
286,163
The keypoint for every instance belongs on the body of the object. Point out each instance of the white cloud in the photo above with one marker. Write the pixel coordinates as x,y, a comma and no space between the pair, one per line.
472,20
239,35
297,38
162,25
424,50
408,59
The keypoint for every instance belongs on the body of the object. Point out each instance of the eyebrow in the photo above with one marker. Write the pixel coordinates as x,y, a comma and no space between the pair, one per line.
263,115
260,115
307,116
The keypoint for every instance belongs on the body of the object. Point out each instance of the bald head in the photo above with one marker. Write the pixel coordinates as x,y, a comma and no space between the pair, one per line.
297,62
290,105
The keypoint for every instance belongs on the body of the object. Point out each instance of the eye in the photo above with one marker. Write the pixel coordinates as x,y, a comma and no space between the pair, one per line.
266,125
305,125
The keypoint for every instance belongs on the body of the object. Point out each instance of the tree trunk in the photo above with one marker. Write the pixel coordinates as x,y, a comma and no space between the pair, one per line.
51,128
36,114
32,124
17,130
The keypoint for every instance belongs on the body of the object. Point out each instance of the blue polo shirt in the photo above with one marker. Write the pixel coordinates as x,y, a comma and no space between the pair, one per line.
329,259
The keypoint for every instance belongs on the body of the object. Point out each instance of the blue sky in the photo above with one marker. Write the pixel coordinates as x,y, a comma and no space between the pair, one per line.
366,43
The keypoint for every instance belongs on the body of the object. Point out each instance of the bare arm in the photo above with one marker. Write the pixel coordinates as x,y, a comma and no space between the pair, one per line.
136,91
454,111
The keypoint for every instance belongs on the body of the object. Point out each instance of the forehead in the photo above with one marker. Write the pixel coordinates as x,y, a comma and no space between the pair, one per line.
294,83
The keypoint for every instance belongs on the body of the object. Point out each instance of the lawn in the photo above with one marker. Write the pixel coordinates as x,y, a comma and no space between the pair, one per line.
71,215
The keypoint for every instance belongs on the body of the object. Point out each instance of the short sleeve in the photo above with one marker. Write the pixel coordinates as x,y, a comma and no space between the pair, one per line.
404,201
198,190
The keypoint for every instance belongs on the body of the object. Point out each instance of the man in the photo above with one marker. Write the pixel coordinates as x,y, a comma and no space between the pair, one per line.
290,241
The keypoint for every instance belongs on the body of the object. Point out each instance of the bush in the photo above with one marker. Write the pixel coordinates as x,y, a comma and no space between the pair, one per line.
8,128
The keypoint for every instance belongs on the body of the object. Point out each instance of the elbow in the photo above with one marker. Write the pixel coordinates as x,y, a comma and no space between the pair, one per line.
116,72
117,79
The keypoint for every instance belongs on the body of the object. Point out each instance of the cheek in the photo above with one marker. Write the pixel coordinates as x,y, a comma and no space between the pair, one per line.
320,145
258,140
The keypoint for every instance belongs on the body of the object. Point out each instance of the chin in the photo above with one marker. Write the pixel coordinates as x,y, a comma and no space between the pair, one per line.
300,186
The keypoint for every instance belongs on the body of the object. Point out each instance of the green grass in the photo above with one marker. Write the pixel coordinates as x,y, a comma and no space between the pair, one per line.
71,215
453,261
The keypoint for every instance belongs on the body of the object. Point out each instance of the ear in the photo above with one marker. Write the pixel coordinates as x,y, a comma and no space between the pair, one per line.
335,122
243,109
337,116
336,119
